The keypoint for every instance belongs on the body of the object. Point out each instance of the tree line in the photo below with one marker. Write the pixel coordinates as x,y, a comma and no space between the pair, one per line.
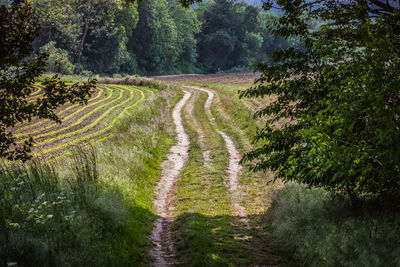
153,36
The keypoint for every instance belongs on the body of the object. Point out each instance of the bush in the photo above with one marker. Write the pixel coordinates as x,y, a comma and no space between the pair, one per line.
336,99
58,61
319,229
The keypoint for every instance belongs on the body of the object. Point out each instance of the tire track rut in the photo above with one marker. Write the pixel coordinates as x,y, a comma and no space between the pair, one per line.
163,252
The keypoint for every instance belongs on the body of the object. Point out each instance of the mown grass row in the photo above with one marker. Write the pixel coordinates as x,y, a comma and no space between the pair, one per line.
77,117
79,138
23,131
35,94
102,112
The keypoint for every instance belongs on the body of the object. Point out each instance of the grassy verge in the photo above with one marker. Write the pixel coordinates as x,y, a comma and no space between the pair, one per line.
320,229
91,209
46,221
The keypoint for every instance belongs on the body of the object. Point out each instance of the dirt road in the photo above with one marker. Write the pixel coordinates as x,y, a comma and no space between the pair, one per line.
201,193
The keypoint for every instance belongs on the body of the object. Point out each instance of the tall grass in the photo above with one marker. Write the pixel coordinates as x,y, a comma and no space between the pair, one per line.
46,220
320,229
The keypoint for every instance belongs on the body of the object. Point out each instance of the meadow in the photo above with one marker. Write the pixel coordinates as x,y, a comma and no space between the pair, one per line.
86,197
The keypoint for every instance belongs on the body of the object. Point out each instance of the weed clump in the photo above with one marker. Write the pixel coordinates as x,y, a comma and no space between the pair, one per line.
46,221
321,229
135,80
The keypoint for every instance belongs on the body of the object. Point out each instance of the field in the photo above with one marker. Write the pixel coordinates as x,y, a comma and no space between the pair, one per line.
94,121
92,205
218,78
163,185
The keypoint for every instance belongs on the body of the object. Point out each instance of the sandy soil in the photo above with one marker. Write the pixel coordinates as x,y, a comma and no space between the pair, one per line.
163,251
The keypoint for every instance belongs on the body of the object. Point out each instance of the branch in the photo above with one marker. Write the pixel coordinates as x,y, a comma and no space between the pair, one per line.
384,6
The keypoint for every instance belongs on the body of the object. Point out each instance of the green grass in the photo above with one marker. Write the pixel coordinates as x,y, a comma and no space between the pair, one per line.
220,236
206,232
319,228
46,221
109,196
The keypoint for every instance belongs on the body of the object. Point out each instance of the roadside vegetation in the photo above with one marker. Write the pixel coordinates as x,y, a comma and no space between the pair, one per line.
93,206
319,228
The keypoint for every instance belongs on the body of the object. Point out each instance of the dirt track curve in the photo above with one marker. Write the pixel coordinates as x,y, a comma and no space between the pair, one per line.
163,251
234,158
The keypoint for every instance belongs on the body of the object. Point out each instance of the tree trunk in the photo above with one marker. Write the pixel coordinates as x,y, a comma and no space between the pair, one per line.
85,31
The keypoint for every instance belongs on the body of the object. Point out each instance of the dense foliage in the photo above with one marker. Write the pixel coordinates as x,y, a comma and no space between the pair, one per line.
233,35
154,37
334,121
94,33
164,38
19,67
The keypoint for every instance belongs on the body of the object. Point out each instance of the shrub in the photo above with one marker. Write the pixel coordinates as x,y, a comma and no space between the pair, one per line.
320,229
58,61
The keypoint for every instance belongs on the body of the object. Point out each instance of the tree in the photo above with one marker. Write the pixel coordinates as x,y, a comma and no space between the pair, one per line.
187,26
19,67
335,118
155,37
230,35
111,25
94,33
164,36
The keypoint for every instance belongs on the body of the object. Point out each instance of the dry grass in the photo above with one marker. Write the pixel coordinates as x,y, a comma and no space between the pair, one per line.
221,78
